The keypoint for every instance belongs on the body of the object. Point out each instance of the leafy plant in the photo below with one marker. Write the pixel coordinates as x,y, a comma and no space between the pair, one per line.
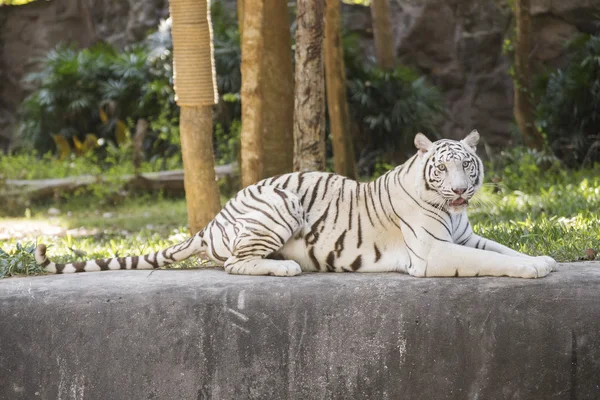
532,203
227,144
91,93
68,97
569,106
228,55
520,168
19,262
101,93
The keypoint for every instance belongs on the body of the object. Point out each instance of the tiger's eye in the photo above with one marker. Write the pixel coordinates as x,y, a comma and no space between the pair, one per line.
441,167
465,164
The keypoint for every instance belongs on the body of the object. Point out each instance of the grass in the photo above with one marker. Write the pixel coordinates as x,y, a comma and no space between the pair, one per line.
562,222
87,230
116,163
555,214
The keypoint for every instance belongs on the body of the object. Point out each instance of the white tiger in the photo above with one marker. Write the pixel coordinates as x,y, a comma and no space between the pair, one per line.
413,219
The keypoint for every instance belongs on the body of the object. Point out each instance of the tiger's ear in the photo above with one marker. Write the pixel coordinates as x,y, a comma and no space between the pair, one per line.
472,139
422,143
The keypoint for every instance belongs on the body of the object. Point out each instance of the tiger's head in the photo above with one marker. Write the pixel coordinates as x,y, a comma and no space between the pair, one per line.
452,172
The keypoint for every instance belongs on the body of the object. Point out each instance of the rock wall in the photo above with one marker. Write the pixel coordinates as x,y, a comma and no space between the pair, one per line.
122,22
456,43
28,32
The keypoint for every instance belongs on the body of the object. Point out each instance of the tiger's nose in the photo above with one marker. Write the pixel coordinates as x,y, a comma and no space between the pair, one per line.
459,191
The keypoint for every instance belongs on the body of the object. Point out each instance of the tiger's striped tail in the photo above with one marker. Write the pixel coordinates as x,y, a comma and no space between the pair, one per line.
178,252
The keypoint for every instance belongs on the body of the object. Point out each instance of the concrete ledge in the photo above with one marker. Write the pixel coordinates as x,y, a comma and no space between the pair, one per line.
202,334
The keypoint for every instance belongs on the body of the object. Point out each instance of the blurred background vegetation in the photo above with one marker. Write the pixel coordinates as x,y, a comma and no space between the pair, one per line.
93,97
102,91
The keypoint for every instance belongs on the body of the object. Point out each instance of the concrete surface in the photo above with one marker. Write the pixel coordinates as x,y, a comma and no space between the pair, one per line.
202,334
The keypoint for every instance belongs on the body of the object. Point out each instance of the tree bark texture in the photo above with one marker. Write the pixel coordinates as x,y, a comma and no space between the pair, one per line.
253,95
278,111
309,99
337,105
523,107
385,47
201,191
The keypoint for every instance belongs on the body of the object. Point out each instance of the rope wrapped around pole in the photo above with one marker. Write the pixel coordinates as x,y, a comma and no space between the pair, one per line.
193,53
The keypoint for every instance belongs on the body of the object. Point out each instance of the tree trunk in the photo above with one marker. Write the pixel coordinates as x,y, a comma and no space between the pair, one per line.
309,99
252,94
385,47
278,118
201,191
337,105
523,107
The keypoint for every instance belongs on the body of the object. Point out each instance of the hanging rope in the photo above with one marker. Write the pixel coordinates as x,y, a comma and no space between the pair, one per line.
193,62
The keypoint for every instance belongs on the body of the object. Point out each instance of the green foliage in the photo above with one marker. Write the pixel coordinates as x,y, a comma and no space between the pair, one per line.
91,91
569,107
228,54
560,220
33,166
116,161
520,168
103,91
227,144
563,238
111,167
135,226
381,167
389,106
19,261
532,203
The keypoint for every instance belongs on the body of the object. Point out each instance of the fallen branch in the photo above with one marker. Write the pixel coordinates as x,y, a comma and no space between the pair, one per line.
169,181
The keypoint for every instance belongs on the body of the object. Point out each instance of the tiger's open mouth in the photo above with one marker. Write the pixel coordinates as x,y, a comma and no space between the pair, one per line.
459,202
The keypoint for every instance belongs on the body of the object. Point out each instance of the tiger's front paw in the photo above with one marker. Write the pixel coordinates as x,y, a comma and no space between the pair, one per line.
286,268
551,262
533,267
